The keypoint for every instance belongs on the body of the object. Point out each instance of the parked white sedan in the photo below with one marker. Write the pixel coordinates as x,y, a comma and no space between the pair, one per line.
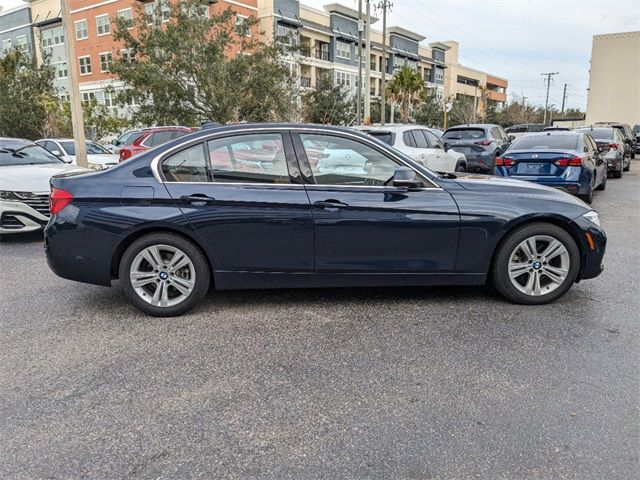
421,145
25,171
98,157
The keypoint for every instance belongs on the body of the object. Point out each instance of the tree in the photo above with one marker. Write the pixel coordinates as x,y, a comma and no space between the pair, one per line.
98,121
429,111
516,112
195,68
406,87
327,104
462,111
27,95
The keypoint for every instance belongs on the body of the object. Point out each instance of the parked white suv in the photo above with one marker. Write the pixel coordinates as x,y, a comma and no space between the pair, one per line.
421,145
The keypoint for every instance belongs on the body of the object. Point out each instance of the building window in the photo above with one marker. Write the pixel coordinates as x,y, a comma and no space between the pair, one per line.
165,10
85,65
88,96
46,38
110,99
344,78
106,59
7,45
64,97
82,30
439,76
127,16
62,71
58,36
103,24
127,55
287,35
149,13
343,50
21,43
242,25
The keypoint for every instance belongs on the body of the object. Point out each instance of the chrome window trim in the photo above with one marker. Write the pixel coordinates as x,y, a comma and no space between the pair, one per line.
155,162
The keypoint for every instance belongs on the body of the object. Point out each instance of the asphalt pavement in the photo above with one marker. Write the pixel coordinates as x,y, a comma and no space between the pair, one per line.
444,383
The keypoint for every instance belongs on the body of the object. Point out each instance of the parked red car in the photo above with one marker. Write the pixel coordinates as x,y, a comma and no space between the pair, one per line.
151,137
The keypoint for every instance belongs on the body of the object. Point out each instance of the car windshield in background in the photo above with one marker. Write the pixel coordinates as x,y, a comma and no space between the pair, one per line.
25,154
464,134
92,148
546,142
603,134
386,137
127,139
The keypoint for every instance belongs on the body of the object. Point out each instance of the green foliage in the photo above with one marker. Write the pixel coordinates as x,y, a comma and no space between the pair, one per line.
430,111
195,68
27,95
328,104
98,121
407,88
462,111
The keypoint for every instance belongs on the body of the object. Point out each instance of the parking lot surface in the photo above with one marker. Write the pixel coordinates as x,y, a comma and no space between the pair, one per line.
446,383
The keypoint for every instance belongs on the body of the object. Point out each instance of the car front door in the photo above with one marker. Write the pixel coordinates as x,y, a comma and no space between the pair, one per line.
362,223
247,202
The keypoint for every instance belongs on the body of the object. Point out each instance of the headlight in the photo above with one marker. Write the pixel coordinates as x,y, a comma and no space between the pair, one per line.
593,217
7,195
96,166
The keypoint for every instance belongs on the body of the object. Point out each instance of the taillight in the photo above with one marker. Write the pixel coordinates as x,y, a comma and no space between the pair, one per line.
124,154
484,143
613,146
505,162
58,200
569,162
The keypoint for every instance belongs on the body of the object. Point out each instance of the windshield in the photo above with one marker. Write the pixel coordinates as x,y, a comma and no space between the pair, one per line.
464,134
127,138
386,137
545,142
25,154
604,134
92,148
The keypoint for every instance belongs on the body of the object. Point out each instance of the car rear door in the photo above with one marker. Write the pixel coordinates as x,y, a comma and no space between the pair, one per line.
364,225
253,216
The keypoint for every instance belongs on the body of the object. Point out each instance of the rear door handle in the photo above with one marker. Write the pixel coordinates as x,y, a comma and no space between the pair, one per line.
197,198
330,204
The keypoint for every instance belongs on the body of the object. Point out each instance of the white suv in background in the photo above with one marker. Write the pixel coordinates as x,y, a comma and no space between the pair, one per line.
421,145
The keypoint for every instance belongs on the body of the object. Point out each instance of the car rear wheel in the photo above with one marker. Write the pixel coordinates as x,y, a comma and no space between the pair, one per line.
603,185
164,274
461,167
587,197
536,264
628,167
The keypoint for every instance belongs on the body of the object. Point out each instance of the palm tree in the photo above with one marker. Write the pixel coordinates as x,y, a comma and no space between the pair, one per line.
406,87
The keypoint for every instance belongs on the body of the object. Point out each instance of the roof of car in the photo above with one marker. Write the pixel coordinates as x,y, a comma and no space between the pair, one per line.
389,128
473,125
555,133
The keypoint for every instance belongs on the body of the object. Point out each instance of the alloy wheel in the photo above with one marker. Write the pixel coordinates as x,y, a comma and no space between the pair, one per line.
162,275
539,265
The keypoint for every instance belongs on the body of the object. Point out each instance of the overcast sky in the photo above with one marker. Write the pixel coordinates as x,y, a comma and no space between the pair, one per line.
515,39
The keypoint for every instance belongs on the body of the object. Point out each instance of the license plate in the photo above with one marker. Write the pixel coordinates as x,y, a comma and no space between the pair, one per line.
535,166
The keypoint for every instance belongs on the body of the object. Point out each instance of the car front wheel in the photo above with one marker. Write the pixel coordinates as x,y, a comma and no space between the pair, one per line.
164,274
536,264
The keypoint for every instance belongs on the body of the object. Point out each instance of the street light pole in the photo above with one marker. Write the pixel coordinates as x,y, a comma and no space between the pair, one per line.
359,91
383,100
367,67
77,121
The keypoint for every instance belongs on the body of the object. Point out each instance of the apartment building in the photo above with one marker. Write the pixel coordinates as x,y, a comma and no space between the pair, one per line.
461,82
614,85
15,29
95,47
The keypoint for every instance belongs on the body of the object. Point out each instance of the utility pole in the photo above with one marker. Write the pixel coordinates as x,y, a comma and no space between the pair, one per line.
367,68
546,102
359,91
524,104
77,121
384,4
564,96
475,105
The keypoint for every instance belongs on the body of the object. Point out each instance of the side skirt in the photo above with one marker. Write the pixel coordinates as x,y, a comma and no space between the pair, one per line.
225,280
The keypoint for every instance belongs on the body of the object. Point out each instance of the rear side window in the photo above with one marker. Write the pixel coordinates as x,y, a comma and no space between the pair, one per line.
129,138
258,158
421,141
386,137
536,128
434,141
178,133
563,142
464,134
408,139
188,165
158,138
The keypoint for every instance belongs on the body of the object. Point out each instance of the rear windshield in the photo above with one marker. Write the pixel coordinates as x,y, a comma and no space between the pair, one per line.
562,142
599,133
386,137
464,134
25,154
127,139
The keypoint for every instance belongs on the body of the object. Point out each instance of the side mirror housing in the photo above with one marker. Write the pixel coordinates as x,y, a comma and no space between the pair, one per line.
447,147
512,137
405,177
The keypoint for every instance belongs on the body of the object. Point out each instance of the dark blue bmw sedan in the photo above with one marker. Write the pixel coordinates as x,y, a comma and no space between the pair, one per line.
280,206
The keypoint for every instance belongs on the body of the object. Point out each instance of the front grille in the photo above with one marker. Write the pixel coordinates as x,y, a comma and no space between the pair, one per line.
10,222
40,203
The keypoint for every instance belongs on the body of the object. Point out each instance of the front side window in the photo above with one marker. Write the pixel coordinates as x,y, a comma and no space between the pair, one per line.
434,142
158,138
342,161
82,30
188,165
258,158
421,141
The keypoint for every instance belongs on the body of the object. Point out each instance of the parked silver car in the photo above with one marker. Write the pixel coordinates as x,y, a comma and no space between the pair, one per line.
617,160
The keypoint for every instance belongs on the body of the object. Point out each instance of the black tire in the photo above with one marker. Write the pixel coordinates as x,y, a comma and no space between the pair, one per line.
603,186
587,197
461,167
500,266
617,173
628,167
200,264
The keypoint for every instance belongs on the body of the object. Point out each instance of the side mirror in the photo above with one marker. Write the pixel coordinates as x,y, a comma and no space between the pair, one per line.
447,147
405,177
512,137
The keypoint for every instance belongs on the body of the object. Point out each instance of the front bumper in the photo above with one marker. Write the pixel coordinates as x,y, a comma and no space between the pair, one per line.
18,217
593,241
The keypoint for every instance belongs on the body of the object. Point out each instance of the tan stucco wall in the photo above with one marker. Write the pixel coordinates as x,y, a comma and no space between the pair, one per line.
614,80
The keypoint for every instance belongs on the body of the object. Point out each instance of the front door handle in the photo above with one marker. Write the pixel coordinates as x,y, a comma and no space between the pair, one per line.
197,198
330,204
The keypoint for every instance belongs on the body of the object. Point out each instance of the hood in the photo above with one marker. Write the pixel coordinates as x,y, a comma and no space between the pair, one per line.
32,178
506,187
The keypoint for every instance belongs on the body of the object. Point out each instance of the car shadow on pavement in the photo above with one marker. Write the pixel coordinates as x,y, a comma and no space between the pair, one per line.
30,237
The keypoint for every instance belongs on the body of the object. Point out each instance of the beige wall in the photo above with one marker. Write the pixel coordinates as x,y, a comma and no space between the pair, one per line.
614,79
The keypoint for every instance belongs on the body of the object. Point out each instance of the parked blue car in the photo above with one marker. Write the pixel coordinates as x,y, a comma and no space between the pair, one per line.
281,206
571,161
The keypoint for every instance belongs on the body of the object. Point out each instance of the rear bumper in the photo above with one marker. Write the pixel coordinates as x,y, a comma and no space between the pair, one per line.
484,162
573,180
17,217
